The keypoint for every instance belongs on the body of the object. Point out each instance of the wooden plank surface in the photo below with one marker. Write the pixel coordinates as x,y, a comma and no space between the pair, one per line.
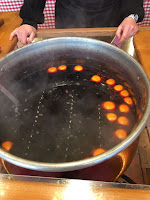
25,190
142,47
11,21
81,32
144,151
1,22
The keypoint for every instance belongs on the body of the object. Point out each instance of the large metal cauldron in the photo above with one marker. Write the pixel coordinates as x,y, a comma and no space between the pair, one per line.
25,61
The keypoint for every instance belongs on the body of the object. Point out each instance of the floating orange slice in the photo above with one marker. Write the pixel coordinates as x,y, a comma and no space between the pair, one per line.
111,81
111,117
96,79
124,93
118,88
78,68
123,120
98,151
128,100
124,108
62,68
108,105
121,134
7,145
52,70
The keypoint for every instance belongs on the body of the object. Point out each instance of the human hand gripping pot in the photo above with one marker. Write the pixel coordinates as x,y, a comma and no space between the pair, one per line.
82,14
25,34
126,29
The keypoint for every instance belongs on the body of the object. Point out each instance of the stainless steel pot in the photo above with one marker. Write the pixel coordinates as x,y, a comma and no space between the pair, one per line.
72,49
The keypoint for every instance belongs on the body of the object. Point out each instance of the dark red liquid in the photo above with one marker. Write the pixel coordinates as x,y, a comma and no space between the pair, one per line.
60,117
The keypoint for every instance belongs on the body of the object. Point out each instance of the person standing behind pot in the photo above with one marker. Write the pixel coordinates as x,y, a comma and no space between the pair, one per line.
82,14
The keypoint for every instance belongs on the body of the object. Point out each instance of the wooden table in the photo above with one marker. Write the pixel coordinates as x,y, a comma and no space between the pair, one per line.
66,189
142,46
11,21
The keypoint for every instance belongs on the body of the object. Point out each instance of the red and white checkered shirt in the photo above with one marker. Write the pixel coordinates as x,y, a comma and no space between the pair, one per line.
49,12
146,20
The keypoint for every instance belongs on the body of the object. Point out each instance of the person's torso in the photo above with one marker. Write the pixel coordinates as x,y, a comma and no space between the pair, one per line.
88,4
87,13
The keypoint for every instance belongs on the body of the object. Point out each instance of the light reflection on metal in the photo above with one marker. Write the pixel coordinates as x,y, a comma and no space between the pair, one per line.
9,95
124,162
2,193
79,190
131,49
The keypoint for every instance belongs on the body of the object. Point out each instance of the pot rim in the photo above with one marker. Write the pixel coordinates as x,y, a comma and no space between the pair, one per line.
75,165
